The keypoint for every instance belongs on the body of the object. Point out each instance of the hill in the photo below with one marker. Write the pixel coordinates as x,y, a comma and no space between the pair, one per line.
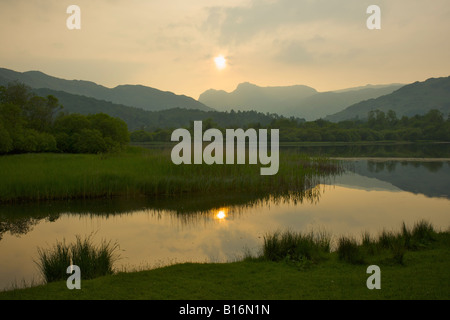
323,104
130,95
297,101
137,118
414,99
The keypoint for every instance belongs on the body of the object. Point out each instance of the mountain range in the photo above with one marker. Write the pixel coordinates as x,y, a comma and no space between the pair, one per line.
409,100
297,101
138,96
146,107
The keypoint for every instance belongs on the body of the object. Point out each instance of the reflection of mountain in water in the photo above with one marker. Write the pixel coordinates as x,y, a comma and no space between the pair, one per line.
429,178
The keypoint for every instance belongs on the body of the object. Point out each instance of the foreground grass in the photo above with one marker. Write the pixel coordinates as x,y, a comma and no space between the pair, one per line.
138,171
423,274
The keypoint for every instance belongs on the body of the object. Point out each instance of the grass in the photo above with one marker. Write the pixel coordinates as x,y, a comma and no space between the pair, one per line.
148,172
94,261
422,275
348,250
296,247
314,247
392,245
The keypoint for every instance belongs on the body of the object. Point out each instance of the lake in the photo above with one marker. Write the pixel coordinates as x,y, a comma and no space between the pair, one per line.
374,193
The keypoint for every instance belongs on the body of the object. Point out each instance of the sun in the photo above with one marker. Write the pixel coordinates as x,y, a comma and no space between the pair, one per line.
220,62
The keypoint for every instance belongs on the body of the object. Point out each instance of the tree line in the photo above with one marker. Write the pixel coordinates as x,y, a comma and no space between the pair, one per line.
379,126
31,123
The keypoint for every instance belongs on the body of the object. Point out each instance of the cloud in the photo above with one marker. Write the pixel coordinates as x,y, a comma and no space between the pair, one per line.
293,52
237,25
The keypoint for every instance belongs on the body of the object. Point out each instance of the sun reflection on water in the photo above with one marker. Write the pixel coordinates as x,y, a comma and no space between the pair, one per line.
221,214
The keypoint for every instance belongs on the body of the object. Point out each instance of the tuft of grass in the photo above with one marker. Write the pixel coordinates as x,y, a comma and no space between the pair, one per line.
368,243
349,250
422,233
94,261
295,246
418,237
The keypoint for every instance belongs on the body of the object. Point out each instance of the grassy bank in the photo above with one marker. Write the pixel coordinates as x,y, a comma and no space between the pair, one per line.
138,171
422,274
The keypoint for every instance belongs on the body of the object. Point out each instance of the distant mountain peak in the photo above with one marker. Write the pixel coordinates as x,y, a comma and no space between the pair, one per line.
295,100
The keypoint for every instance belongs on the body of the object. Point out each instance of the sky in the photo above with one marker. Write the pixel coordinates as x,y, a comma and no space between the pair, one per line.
173,45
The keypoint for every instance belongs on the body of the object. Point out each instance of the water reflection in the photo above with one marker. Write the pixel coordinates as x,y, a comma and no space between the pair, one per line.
372,195
430,178
190,210
221,215
380,150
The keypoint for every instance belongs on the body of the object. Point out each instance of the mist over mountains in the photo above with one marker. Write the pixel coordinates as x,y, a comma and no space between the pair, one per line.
297,101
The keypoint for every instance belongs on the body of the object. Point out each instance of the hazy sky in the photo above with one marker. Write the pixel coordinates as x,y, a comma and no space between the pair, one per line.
171,44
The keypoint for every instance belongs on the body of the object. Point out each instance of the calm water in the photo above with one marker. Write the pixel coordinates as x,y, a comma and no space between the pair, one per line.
371,195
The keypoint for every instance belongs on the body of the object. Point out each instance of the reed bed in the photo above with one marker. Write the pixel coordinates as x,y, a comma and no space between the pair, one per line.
138,171
396,243
316,246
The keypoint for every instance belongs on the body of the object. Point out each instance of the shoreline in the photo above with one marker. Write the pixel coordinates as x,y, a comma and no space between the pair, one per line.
253,278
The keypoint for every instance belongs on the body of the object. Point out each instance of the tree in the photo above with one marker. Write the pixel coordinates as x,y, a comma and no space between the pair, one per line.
434,117
39,112
6,143
71,124
12,119
15,93
113,130
392,118
141,136
105,133
89,141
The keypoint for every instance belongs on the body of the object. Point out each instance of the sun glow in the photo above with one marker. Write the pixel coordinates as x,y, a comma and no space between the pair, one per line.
220,62
221,215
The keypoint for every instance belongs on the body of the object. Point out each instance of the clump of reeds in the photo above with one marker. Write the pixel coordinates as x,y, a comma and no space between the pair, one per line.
349,250
295,246
421,235
94,261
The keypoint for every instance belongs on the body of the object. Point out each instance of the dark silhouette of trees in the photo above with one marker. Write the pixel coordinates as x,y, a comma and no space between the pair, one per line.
29,123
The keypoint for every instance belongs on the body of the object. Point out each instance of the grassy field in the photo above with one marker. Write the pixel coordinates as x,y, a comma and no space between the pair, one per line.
139,171
422,273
